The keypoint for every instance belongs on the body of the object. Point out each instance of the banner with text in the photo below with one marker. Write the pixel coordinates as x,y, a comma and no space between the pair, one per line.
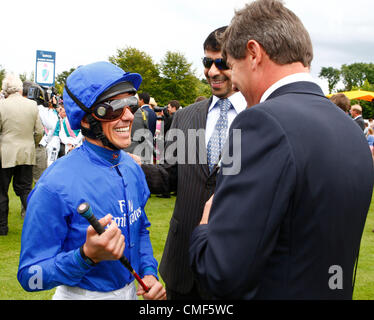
45,68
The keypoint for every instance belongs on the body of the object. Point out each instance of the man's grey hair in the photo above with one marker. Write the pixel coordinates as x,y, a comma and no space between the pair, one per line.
277,29
12,84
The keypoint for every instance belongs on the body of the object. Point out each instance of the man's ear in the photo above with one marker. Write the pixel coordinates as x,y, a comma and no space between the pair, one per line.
255,52
84,122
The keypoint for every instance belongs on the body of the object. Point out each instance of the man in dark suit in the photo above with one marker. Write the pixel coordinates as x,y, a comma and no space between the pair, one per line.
186,171
144,99
356,113
143,130
289,225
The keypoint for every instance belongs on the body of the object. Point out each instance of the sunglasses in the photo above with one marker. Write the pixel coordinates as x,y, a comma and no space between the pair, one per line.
114,109
220,63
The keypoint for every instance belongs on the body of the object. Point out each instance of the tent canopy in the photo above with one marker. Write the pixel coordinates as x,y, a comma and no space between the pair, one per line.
357,94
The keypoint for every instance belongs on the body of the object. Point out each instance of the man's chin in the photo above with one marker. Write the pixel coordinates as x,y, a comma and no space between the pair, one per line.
222,93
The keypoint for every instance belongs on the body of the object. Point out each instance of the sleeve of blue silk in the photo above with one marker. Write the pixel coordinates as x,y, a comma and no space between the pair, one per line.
43,263
229,253
148,264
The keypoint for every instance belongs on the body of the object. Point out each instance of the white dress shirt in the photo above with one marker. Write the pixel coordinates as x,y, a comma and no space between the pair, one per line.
239,104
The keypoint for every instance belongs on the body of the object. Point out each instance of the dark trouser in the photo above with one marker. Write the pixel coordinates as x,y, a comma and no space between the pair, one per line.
22,184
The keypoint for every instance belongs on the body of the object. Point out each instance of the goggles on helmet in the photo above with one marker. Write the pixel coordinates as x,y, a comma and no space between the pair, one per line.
114,109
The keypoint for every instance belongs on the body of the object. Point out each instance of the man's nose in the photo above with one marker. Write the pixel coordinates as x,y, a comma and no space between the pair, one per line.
213,70
127,116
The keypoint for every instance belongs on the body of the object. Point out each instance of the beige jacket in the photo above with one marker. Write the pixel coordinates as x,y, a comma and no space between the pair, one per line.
20,131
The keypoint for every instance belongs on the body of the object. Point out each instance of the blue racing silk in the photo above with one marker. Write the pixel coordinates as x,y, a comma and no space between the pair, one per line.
53,231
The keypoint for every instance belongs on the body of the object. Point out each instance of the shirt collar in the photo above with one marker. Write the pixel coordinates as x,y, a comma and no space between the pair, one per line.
110,155
296,77
237,100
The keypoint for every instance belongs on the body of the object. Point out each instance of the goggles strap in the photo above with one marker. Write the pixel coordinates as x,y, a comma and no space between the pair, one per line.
97,132
76,100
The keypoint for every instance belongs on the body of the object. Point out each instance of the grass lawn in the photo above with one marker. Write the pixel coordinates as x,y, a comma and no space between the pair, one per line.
159,211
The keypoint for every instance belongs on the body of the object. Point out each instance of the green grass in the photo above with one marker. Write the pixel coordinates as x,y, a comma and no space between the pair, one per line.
159,211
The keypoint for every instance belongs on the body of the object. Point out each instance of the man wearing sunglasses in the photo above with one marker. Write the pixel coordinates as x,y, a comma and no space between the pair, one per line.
194,183
59,248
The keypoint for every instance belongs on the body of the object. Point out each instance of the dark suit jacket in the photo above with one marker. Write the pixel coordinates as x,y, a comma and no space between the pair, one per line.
152,118
289,225
360,121
142,133
194,185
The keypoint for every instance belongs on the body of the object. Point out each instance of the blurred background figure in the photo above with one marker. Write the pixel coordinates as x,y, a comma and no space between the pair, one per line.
342,101
172,108
69,138
20,131
356,113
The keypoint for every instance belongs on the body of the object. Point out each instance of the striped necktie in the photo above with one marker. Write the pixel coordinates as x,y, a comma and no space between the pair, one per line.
218,137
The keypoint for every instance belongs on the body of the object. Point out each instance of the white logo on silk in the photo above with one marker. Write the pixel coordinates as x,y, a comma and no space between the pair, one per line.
133,214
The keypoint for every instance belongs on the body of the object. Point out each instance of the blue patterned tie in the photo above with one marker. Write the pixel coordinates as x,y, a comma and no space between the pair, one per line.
218,137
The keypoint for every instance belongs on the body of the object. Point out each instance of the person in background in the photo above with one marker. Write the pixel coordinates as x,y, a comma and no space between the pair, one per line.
172,107
20,131
152,103
143,130
40,150
356,113
342,101
70,138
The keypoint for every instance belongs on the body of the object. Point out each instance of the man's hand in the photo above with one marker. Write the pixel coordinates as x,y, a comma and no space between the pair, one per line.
156,290
107,246
206,212
137,159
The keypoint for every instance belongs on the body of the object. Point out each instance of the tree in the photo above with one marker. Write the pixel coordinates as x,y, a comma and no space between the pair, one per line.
136,61
354,75
178,79
203,88
30,77
332,76
61,80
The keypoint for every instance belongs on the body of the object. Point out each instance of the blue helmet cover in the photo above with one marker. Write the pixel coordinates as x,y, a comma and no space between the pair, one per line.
87,82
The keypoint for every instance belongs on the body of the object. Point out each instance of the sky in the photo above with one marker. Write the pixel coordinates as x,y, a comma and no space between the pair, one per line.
85,31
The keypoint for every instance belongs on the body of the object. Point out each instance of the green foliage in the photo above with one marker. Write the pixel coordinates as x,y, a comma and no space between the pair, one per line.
332,75
203,89
178,81
354,75
136,61
171,79
61,80
25,77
